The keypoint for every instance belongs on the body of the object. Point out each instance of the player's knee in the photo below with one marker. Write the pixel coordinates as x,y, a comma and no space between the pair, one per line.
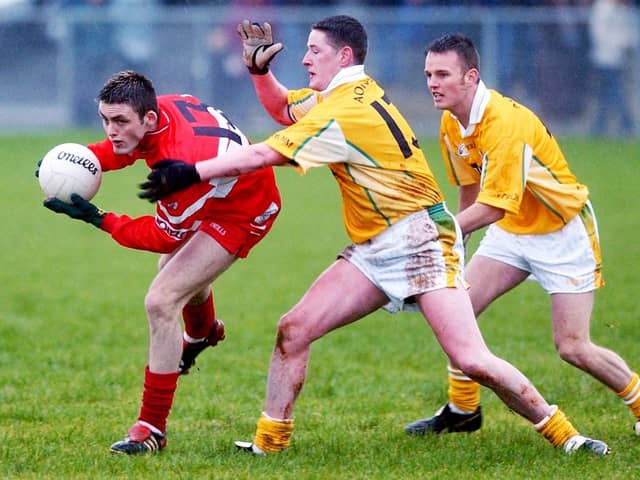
158,305
475,372
572,351
292,333
472,368
481,368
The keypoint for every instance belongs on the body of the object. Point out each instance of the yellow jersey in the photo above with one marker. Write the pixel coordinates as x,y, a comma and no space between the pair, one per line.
370,148
520,168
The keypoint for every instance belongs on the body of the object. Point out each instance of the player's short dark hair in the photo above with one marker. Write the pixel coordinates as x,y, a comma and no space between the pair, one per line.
459,43
343,30
131,88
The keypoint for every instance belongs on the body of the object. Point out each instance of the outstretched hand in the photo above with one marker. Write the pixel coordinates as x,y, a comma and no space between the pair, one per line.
78,209
168,176
258,48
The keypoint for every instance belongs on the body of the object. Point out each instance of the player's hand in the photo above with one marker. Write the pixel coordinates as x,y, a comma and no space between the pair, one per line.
168,176
258,48
79,209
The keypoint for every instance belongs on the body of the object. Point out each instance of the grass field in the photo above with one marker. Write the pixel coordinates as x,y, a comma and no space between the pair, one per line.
73,341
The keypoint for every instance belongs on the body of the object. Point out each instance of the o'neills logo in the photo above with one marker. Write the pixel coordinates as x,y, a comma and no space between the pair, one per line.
84,162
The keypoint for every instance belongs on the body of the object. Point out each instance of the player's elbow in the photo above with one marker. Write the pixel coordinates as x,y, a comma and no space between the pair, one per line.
283,117
279,113
496,214
490,213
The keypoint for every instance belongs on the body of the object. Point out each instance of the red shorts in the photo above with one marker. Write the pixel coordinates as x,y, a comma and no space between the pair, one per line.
238,238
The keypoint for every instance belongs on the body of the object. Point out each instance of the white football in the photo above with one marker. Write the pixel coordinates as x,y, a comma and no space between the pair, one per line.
70,168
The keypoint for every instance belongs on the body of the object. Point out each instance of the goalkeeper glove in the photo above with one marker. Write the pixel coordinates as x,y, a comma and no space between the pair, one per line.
79,209
168,176
258,48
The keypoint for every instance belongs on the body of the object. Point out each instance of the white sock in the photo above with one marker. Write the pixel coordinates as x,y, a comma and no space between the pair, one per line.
189,339
150,427
459,411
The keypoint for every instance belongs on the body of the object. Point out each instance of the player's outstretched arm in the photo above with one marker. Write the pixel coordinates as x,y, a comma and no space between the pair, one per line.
168,176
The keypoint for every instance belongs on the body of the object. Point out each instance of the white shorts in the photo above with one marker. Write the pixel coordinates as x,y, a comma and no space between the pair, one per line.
421,252
565,261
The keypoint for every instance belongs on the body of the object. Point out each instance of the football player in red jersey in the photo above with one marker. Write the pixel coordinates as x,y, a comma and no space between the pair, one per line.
200,231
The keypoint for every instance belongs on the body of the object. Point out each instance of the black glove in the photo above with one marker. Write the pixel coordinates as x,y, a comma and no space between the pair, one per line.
79,209
168,176
258,48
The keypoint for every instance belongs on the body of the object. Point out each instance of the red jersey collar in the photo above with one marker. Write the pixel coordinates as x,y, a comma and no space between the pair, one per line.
150,138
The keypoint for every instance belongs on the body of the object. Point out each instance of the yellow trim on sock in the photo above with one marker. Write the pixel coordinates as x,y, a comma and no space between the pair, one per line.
464,393
631,395
557,428
628,388
272,435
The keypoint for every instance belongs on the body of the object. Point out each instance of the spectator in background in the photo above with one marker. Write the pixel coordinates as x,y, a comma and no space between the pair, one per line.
226,70
92,42
615,36
133,33
560,63
105,35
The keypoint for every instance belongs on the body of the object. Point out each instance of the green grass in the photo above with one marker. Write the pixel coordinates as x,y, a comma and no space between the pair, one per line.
73,341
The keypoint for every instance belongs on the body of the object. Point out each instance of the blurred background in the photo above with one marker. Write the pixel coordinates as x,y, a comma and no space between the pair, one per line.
576,63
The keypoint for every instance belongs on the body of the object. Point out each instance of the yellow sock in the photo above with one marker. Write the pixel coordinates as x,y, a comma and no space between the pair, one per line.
464,393
272,435
556,427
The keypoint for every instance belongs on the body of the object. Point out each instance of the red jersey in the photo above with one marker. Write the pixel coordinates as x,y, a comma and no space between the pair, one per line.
191,131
